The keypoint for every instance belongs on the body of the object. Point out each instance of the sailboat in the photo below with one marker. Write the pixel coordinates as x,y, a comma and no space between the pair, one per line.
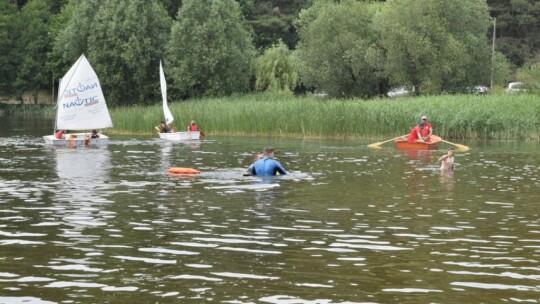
173,136
80,106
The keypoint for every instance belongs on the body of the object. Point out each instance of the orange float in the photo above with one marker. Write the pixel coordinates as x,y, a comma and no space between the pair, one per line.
179,170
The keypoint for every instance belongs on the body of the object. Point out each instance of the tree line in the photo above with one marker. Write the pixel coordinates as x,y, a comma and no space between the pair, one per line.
347,48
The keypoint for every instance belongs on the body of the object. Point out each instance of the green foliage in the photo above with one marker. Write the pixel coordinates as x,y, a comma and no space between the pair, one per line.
75,24
7,46
518,25
123,41
530,74
505,116
337,48
210,52
275,70
32,47
273,21
501,69
435,45
125,46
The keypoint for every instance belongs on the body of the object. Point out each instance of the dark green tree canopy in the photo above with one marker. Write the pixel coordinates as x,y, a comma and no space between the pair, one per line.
337,52
123,41
211,51
435,45
517,28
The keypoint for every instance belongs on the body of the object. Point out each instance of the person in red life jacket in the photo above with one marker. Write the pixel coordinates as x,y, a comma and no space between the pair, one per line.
416,133
193,127
60,134
427,131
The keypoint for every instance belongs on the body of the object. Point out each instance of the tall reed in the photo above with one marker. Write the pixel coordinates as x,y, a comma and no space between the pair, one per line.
454,116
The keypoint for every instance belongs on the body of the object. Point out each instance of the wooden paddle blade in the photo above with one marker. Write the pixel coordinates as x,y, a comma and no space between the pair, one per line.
462,148
376,145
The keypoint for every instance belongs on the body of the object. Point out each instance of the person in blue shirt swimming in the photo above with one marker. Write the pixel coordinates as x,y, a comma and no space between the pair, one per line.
266,165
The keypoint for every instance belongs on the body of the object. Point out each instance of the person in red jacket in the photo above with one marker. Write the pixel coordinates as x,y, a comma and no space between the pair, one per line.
427,131
416,133
193,127
60,134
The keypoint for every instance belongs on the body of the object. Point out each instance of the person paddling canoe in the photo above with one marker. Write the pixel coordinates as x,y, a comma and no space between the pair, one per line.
428,130
416,133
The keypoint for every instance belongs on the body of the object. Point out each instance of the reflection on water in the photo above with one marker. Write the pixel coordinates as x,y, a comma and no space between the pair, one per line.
79,199
348,225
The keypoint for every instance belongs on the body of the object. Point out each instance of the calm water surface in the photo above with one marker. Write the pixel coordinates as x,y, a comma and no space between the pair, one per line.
348,225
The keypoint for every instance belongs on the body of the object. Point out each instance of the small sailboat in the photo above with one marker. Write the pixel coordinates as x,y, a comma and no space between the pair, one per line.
173,136
80,106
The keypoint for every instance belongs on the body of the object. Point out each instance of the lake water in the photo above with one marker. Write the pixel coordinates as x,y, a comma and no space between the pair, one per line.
348,225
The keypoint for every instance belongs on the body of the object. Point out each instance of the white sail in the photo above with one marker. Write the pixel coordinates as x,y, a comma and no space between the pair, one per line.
168,115
81,104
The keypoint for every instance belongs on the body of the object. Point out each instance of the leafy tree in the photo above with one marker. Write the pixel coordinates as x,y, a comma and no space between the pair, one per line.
123,41
530,74
172,6
435,45
32,47
275,70
337,52
273,21
71,30
210,51
501,69
8,16
517,28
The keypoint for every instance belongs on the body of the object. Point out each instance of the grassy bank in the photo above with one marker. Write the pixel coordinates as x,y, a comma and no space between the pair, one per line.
453,117
26,108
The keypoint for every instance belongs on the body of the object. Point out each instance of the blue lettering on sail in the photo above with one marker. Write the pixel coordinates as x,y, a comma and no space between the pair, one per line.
80,102
71,92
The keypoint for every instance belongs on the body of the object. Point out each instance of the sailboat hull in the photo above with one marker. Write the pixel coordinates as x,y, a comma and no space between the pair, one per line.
76,140
180,136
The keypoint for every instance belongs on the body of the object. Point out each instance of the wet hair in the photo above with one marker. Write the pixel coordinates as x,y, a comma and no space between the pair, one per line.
268,150
421,125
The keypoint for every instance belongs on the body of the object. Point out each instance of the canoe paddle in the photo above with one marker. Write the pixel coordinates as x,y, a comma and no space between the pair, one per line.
461,148
377,144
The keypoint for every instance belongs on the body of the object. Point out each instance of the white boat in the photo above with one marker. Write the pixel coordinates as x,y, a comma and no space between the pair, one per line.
173,136
80,106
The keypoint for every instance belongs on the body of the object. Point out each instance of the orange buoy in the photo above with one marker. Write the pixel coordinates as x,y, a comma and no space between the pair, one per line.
179,170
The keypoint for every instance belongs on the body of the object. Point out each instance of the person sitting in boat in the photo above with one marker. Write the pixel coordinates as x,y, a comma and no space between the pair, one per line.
193,127
94,134
447,161
416,133
164,128
59,134
427,131
267,165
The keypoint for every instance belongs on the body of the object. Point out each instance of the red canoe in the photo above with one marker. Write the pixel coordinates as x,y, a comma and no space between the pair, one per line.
432,144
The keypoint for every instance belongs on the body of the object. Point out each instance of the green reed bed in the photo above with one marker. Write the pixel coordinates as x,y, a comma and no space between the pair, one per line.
456,116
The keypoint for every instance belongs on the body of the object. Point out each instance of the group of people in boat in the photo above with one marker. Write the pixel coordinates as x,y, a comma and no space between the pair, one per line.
165,128
62,134
421,132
